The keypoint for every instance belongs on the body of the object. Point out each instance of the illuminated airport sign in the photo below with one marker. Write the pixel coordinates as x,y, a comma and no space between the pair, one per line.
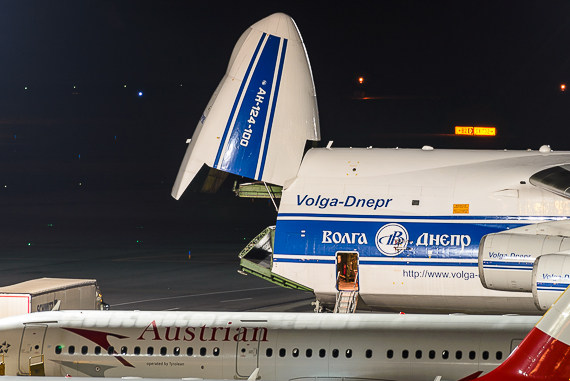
475,131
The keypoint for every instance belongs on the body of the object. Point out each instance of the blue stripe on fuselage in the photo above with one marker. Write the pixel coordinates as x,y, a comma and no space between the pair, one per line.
436,239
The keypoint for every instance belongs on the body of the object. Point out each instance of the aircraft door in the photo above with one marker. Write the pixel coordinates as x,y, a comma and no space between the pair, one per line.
247,357
31,349
347,270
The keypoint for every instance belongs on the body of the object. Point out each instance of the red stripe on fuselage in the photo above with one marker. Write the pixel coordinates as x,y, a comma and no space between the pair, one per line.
538,357
102,339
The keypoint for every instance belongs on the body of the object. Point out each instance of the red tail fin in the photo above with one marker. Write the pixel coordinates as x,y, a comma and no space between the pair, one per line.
545,353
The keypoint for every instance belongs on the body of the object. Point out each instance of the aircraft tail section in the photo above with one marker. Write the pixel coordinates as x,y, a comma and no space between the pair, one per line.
263,111
543,354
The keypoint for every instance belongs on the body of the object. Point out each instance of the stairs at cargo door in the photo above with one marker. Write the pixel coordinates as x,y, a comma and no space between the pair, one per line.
346,301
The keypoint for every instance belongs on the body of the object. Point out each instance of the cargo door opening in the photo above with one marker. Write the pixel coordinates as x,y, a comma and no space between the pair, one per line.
347,271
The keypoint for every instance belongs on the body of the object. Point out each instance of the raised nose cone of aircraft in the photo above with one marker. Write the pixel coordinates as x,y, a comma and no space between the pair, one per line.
280,25
262,112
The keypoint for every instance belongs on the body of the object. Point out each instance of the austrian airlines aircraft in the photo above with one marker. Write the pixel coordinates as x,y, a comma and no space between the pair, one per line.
543,354
284,346
288,346
423,230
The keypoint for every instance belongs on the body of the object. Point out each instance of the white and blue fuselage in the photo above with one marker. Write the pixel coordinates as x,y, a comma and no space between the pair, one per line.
415,219
403,227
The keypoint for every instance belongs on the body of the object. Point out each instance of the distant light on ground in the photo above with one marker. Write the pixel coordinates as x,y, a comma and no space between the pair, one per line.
562,87
140,93
360,80
475,131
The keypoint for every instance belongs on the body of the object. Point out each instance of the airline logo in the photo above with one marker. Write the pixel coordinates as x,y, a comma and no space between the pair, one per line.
101,339
153,332
391,239
338,237
349,201
499,255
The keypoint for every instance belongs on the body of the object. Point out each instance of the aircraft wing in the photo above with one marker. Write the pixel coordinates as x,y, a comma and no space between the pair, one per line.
554,179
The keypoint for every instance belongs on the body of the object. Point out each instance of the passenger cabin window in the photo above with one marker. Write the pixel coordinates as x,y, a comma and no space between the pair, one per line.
97,350
458,355
189,351
472,355
322,353
431,354
150,351
499,355
176,351
203,351
137,351
84,350
348,353
282,352
418,354
124,350
405,354
295,352
269,352
369,353
216,351
163,351
485,355
390,353
71,349
445,354
58,349
309,353
335,353
111,350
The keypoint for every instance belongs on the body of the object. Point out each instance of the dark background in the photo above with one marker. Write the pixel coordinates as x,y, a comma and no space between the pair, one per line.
86,162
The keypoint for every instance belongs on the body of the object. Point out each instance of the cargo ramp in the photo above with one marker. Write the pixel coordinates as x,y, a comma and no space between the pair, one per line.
257,259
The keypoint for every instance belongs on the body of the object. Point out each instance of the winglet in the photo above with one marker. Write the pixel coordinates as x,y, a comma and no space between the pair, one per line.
263,111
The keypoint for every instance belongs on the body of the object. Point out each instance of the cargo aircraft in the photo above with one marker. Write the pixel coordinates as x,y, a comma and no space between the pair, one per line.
288,346
415,230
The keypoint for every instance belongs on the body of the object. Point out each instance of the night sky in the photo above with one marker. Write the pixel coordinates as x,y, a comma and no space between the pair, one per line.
84,158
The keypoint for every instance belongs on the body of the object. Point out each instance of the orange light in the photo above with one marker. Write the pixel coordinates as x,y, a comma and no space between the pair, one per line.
485,131
360,79
475,131
463,130
562,87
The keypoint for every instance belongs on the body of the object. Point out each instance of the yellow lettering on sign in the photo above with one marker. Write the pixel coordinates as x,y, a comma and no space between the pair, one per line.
463,130
460,208
485,131
475,131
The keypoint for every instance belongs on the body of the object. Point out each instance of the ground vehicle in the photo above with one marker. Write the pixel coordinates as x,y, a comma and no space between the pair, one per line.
46,294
